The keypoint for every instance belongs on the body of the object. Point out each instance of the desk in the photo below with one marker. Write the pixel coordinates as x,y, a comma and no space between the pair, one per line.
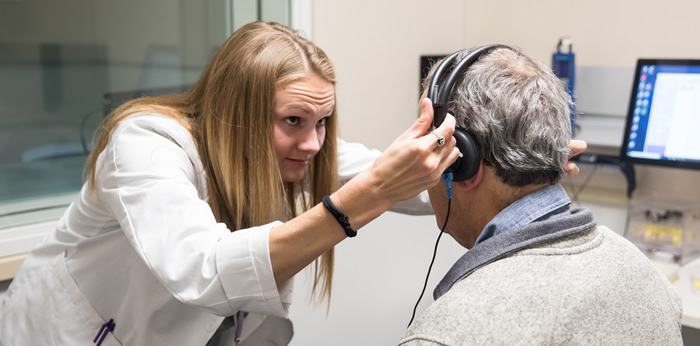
691,301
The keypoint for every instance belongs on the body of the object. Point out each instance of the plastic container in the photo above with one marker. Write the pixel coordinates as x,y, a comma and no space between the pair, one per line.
665,229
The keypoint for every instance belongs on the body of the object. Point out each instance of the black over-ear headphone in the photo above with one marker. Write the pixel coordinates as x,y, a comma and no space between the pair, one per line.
439,90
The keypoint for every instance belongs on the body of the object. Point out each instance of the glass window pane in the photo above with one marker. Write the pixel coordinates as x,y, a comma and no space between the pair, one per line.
65,64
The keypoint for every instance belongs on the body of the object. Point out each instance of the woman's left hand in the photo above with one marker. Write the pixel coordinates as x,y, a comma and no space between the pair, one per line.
575,147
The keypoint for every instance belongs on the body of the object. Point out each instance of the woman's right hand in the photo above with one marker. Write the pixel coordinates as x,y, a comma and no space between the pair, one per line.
411,164
414,162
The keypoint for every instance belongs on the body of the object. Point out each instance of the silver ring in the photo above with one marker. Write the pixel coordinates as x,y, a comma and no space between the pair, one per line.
440,139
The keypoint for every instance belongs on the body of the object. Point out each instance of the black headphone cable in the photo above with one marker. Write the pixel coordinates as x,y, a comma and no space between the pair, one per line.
447,178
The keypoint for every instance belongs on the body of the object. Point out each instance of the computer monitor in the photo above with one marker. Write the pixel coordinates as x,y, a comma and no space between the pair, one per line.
663,118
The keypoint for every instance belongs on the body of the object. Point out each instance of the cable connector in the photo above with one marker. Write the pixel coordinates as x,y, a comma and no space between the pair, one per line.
447,178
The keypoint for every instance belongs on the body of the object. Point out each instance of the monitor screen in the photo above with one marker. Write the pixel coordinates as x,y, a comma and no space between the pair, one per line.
663,118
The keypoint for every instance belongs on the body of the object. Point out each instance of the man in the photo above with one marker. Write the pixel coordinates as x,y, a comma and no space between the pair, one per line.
537,272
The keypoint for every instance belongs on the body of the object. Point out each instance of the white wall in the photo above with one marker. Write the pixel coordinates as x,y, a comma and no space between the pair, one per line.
605,33
375,46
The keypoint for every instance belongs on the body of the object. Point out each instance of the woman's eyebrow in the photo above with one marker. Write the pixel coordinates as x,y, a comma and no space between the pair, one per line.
301,108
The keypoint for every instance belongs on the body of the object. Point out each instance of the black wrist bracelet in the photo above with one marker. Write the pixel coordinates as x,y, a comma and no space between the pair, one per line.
339,216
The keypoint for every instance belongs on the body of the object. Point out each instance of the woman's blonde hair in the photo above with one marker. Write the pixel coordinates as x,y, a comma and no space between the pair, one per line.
229,113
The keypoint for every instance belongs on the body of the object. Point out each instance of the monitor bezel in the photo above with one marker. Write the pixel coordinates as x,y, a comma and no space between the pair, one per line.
630,116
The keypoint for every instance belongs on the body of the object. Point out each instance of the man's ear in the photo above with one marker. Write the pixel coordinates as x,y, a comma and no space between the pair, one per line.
468,185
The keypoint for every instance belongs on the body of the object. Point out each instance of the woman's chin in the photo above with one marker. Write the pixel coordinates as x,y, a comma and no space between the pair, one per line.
292,177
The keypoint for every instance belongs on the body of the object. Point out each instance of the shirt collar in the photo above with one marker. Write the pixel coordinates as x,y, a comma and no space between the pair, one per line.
546,203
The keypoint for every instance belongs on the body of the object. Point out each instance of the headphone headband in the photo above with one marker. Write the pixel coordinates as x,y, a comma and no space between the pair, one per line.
438,94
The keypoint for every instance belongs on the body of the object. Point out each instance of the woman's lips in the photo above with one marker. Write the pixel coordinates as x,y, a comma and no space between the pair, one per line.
299,162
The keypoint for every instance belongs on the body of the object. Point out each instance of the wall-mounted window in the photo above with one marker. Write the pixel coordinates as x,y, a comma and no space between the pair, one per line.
65,64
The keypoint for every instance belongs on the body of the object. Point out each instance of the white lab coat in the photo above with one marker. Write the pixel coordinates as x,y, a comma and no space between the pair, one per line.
147,252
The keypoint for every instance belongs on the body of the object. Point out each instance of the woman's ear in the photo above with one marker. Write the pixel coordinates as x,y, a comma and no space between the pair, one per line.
468,185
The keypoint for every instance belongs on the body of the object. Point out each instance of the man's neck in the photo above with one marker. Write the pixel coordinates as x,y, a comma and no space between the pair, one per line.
540,204
494,196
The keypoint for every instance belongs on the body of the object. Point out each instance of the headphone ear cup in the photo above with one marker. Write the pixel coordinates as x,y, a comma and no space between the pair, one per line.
466,166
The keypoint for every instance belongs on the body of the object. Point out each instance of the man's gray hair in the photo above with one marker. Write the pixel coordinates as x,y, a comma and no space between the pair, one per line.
518,112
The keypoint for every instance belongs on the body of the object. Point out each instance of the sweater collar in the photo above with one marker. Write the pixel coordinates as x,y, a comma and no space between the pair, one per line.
545,220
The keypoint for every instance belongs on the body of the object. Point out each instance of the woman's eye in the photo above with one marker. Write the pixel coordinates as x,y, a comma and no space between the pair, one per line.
322,122
291,120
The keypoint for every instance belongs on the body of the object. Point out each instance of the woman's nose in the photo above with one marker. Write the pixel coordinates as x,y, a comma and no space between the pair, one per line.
310,142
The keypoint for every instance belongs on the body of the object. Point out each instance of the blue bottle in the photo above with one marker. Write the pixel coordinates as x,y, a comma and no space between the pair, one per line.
563,66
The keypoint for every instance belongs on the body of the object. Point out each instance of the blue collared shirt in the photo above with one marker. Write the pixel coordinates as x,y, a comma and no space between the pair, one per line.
550,202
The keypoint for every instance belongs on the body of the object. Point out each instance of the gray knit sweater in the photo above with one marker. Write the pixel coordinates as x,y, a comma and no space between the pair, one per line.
583,287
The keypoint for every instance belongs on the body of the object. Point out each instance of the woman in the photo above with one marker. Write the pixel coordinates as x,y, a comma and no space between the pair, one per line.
177,223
